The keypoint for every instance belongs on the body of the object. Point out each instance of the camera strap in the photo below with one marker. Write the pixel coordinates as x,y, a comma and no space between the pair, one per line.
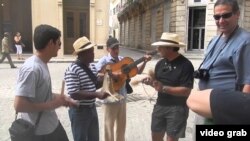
210,52
214,46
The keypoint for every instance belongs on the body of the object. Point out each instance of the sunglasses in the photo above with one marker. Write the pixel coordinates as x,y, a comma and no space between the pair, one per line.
224,16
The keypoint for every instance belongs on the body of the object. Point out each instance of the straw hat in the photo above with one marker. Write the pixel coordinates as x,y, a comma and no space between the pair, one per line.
169,40
82,44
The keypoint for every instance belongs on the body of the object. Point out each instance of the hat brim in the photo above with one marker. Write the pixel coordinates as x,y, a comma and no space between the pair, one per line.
113,45
83,49
166,44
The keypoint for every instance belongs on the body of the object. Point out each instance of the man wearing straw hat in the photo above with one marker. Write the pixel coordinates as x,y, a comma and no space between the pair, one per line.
173,79
81,82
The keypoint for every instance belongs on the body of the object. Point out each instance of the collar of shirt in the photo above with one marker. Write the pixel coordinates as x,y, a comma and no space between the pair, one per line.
110,58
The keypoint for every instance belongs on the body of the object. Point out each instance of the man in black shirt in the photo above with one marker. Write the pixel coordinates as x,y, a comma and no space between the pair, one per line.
173,81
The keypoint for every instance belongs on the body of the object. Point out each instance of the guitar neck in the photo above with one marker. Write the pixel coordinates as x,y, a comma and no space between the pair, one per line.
136,62
141,59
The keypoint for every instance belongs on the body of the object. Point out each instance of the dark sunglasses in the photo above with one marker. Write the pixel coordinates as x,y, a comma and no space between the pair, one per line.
224,16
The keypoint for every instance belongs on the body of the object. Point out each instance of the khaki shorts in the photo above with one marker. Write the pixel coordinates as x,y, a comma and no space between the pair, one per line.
170,119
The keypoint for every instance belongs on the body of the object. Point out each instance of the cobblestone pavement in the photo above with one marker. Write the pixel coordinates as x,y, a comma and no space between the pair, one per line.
139,106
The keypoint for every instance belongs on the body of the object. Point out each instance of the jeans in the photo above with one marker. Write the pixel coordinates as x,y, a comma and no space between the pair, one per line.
84,123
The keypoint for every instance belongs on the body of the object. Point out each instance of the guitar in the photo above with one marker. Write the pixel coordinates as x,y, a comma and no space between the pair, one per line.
126,68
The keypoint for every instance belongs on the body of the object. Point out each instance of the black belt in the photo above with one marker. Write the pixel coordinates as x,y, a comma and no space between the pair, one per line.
87,106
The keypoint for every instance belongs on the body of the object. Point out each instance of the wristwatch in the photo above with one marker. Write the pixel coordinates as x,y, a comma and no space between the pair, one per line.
164,89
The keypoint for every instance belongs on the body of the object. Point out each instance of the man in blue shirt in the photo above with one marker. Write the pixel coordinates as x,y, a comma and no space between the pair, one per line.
227,54
115,110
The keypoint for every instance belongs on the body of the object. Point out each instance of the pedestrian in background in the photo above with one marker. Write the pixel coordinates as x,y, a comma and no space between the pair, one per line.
173,79
115,110
34,90
19,46
81,81
6,49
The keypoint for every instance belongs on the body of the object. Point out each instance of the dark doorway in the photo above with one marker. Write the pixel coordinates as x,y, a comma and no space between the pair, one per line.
76,22
16,17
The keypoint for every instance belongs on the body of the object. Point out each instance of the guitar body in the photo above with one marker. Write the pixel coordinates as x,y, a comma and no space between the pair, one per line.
124,69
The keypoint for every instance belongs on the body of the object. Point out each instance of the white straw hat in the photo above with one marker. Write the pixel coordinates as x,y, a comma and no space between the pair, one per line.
82,44
169,40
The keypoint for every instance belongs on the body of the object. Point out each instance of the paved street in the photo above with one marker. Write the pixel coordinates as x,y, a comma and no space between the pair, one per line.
139,106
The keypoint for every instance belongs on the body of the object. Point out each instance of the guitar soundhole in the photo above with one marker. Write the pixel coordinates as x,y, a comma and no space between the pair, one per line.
126,69
115,80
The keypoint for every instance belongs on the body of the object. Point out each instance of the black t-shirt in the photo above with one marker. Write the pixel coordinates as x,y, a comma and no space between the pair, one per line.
178,72
230,107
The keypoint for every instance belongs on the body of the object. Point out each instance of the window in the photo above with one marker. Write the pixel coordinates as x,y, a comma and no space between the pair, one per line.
70,24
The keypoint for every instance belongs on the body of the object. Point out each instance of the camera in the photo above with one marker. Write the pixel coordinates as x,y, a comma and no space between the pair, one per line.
202,74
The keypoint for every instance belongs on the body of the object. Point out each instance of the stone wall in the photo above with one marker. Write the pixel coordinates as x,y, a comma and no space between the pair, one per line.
136,21
246,23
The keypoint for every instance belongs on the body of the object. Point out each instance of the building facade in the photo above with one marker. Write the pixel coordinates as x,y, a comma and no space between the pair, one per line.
75,18
143,21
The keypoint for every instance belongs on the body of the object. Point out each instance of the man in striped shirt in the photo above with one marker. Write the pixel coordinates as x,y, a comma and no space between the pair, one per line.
81,80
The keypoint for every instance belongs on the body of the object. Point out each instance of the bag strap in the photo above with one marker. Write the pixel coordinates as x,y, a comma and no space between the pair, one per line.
88,71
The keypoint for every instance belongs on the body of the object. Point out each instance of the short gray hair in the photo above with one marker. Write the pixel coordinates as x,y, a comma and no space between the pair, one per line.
233,3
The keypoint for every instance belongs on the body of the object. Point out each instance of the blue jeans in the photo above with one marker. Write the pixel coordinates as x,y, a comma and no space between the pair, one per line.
84,123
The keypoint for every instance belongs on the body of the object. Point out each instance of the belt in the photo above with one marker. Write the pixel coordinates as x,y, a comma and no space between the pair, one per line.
86,106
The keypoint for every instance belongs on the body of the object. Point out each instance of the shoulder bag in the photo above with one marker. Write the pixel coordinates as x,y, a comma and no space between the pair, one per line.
23,130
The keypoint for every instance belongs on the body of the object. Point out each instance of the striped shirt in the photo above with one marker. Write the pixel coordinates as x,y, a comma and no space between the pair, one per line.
77,79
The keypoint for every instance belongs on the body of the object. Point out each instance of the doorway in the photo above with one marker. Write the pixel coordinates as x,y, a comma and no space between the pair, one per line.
15,16
76,22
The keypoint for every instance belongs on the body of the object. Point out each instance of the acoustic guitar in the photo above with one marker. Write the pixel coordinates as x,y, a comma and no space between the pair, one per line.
126,68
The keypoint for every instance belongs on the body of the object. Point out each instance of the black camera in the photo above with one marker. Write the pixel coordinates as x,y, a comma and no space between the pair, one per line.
202,74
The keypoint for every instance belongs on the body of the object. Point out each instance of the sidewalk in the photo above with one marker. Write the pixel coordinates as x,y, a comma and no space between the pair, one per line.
129,52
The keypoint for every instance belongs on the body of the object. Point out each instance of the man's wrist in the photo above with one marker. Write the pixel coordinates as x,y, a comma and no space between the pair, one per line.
165,89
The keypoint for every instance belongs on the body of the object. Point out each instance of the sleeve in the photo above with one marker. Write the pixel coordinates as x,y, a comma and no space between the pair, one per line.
99,65
230,107
5,44
187,78
242,70
26,83
72,81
